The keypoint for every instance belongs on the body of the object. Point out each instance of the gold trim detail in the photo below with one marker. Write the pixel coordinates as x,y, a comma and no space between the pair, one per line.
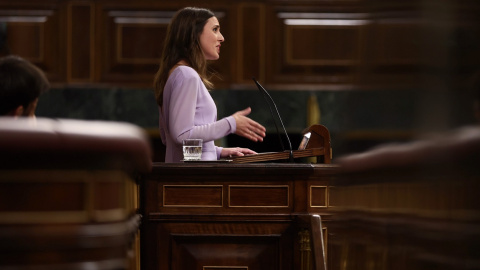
305,249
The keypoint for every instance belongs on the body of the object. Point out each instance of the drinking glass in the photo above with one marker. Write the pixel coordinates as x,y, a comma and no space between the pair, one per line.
192,149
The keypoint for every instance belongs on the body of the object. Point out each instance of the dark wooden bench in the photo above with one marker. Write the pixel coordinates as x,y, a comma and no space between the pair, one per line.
68,193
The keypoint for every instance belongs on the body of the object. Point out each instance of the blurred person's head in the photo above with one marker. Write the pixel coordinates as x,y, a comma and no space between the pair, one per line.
21,84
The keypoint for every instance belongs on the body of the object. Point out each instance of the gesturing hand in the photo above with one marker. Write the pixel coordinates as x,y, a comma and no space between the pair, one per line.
248,128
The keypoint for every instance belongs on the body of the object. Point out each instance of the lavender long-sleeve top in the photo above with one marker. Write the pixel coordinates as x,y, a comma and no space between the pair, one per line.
189,112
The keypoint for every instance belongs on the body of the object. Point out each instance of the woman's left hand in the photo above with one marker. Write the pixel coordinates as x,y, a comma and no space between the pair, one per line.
248,128
236,152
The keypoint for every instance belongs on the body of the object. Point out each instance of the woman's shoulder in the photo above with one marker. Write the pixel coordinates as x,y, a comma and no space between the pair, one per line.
185,72
182,75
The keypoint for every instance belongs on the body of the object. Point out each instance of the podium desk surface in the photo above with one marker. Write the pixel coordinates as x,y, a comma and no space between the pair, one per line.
242,168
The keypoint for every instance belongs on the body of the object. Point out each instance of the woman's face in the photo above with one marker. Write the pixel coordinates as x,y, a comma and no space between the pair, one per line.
210,39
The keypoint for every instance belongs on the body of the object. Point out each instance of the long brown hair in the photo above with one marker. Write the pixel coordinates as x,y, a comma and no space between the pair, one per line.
183,43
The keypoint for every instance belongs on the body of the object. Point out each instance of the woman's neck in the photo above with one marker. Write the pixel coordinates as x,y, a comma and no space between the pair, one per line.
179,63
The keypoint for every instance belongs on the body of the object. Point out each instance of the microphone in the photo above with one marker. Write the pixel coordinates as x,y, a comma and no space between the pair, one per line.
265,95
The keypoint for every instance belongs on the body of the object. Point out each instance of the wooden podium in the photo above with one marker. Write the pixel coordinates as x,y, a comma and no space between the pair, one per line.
252,216
219,216
315,143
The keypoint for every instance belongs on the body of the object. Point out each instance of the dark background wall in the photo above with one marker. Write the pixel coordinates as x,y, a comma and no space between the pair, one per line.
380,71
357,120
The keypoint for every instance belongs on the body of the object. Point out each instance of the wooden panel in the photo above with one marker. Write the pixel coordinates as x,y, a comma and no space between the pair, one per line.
315,47
35,196
108,195
32,31
131,40
139,36
131,44
68,245
221,252
286,44
258,196
220,245
65,196
81,27
332,196
396,43
251,42
35,34
193,195
318,196
308,42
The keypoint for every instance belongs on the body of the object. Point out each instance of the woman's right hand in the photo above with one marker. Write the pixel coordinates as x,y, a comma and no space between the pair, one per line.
248,128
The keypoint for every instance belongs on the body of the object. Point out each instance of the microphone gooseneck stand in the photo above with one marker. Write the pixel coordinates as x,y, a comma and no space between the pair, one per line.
265,95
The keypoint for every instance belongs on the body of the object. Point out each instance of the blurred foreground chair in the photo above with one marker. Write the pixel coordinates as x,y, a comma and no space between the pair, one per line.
409,205
68,196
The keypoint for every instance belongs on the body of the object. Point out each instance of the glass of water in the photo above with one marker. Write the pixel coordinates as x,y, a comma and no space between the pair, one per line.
192,149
